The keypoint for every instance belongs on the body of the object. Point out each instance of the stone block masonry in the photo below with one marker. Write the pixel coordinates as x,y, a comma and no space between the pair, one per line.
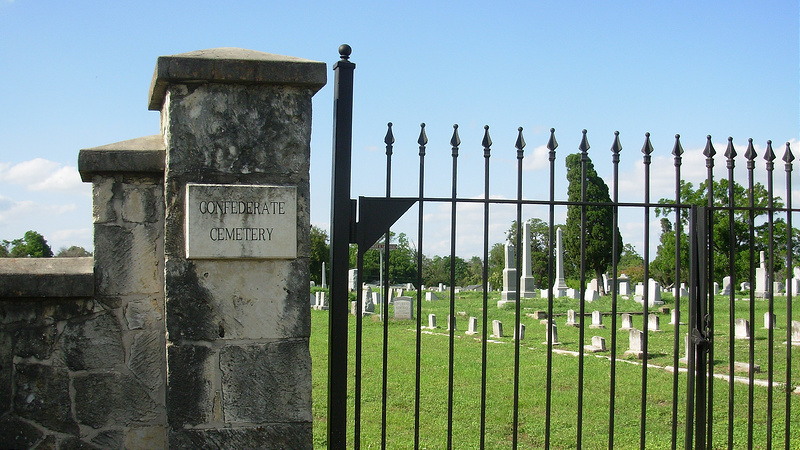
164,340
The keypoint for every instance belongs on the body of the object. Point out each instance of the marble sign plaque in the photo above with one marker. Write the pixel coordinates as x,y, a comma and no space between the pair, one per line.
226,221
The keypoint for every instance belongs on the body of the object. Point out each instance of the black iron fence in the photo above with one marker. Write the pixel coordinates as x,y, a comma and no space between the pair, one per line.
702,225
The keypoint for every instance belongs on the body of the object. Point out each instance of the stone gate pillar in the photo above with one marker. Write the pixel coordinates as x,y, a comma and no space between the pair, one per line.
237,127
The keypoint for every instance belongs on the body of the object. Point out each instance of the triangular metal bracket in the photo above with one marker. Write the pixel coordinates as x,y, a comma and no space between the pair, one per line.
376,215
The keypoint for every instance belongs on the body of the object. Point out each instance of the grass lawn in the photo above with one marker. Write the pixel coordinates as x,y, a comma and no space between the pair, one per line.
533,378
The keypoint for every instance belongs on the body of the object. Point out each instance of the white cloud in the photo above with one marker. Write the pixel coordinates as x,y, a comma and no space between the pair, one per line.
537,160
44,175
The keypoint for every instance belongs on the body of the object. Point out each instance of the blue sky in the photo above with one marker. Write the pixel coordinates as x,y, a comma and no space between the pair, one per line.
76,74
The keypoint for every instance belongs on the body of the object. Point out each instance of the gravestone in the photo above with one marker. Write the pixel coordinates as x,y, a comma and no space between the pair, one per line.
571,322
432,321
472,327
680,291
627,322
553,335
521,333
714,287
624,283
742,329
674,318
560,288
606,284
352,279
762,277
527,286
509,294
404,308
636,345
777,287
744,286
497,329
430,296
796,332
324,276
314,299
597,320
726,286
366,298
653,293
653,322
591,295
598,345
769,320
376,298
451,323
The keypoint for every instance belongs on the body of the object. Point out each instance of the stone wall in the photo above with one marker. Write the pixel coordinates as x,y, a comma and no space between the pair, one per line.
141,346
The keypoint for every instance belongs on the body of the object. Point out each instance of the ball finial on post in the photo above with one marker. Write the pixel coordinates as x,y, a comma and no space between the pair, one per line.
344,51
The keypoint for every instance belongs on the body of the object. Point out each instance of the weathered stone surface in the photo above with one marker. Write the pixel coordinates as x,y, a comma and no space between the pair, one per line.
76,444
293,436
17,434
147,359
144,314
42,396
36,342
144,155
190,396
103,201
49,443
127,260
103,399
267,382
142,202
6,371
46,277
108,440
146,438
93,344
189,307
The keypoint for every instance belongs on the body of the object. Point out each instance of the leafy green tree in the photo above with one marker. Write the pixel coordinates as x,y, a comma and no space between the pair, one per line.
402,261
599,231
32,245
73,251
437,270
662,269
496,265
631,264
320,252
721,242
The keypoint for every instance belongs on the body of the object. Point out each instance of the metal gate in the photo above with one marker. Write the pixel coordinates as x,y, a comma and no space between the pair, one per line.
693,398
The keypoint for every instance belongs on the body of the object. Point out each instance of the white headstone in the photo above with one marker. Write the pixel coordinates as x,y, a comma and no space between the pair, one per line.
606,285
762,277
404,308
653,293
597,320
627,322
777,287
324,276
553,336
571,321
624,285
769,320
352,277
527,285
744,286
726,286
636,346
432,321
598,345
376,298
653,323
509,294
366,298
472,327
430,296
674,317
742,329
715,288
796,332
497,329
560,285
451,323
591,295
521,333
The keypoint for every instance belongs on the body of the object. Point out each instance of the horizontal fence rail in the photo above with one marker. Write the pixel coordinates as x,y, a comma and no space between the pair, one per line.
708,224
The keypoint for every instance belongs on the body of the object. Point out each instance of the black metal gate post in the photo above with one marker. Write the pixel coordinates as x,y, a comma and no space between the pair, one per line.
698,343
340,229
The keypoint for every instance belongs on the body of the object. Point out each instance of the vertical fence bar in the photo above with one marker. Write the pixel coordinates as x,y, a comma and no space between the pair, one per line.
709,153
487,151
769,157
389,141
552,144
455,141
584,148
751,155
788,157
616,148
691,350
520,145
422,141
340,237
359,343
730,153
699,330
677,152
647,150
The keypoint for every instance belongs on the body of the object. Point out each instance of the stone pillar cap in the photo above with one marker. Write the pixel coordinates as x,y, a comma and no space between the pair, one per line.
233,66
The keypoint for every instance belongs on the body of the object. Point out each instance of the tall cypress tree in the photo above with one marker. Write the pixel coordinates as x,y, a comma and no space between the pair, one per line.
599,220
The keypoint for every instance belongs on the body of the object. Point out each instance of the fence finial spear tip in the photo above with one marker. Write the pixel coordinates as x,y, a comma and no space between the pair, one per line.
788,157
769,155
455,141
345,51
751,151
520,144
647,147
677,149
709,151
423,138
389,138
552,144
584,147
730,152
616,147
